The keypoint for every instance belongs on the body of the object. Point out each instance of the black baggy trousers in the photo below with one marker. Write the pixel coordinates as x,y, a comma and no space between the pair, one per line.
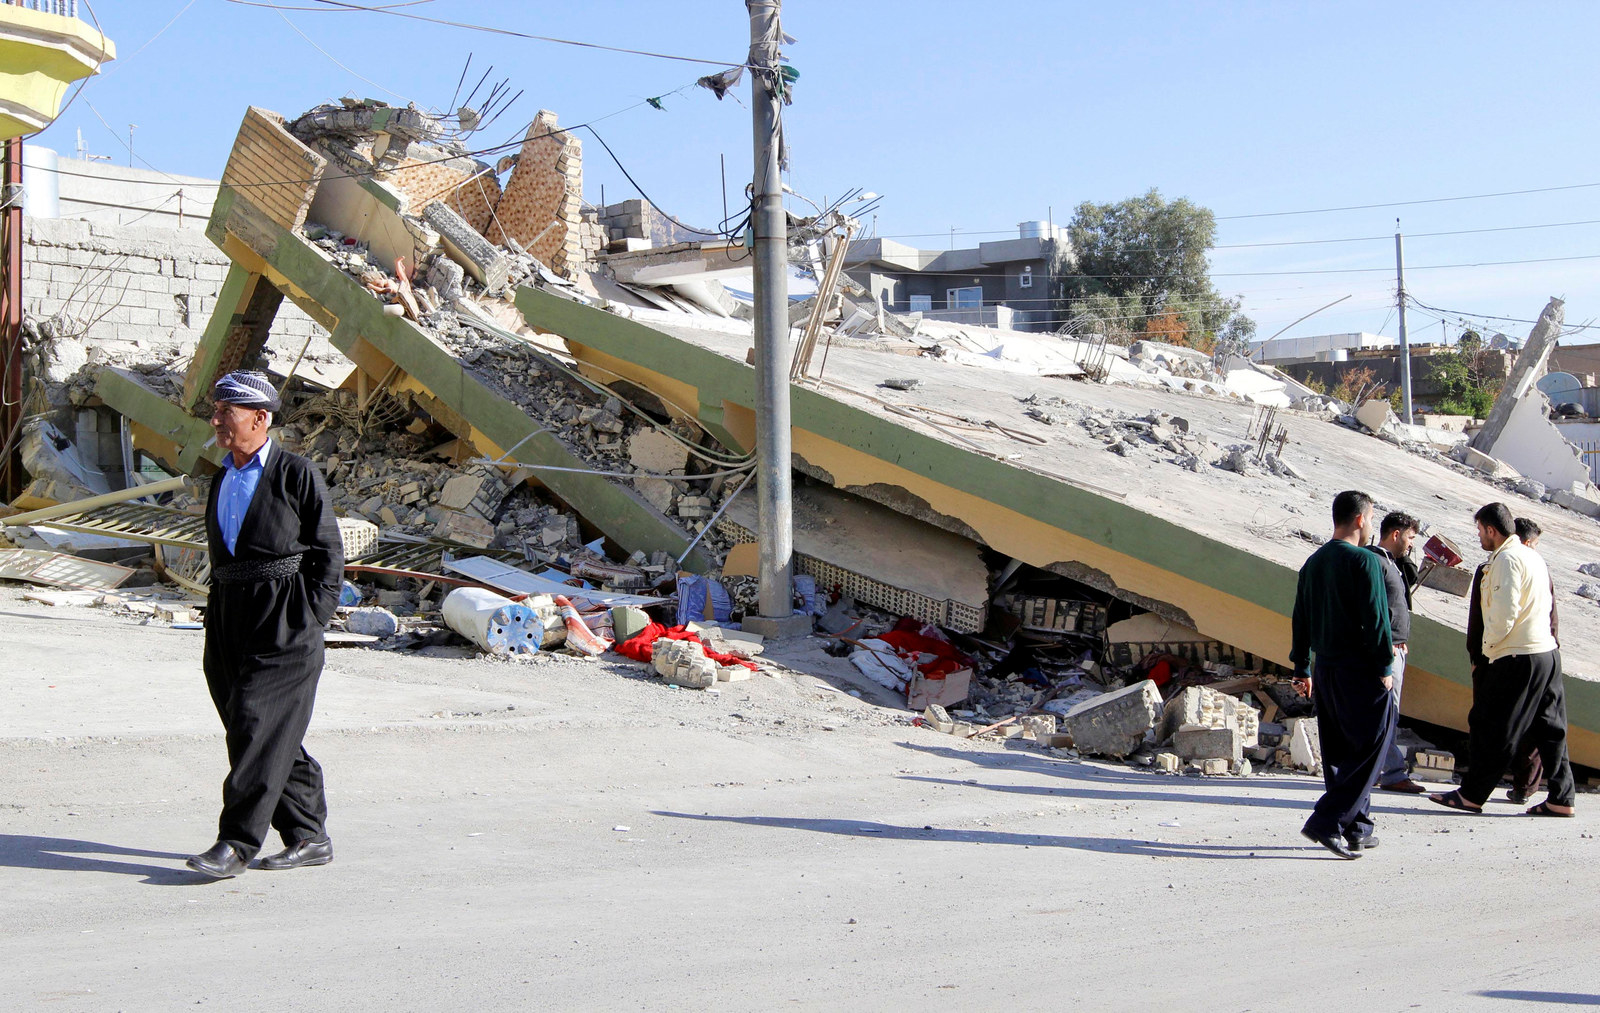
263,658
1518,703
1355,717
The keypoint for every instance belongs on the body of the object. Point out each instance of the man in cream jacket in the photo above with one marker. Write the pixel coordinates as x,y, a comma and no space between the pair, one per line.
1518,698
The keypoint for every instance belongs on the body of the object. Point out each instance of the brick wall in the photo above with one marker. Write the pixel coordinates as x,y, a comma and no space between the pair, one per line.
541,206
146,290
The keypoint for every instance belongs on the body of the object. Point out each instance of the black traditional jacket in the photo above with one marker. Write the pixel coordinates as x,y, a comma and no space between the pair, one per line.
289,515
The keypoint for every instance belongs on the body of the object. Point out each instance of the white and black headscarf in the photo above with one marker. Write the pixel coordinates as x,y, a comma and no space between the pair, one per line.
247,390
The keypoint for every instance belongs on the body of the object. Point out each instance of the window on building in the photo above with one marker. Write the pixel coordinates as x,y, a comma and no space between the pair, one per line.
922,304
969,298
1026,280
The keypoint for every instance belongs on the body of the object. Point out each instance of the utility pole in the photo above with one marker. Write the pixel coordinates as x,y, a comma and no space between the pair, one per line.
770,265
1405,347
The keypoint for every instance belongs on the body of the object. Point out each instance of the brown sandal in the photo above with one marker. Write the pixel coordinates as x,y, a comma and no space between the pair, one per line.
1453,800
1543,809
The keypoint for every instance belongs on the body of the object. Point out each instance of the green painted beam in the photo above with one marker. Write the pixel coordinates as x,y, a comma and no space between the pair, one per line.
1078,511
214,341
618,511
124,392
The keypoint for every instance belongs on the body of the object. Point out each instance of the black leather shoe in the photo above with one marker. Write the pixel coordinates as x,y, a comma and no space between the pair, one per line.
1366,843
311,851
1333,842
221,861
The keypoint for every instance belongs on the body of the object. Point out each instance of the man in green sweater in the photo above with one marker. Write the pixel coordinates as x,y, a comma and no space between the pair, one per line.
1341,618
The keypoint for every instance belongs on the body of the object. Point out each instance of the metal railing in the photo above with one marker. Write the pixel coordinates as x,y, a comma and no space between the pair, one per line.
65,8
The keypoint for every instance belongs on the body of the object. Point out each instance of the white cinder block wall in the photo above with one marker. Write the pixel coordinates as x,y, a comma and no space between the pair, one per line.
149,291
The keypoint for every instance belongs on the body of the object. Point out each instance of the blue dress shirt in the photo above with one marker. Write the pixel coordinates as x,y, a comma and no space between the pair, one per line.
238,489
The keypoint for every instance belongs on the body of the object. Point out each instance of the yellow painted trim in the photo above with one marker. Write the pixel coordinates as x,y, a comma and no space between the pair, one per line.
679,395
40,56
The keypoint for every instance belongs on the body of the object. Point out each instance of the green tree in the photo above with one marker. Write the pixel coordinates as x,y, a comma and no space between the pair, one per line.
1141,270
1464,386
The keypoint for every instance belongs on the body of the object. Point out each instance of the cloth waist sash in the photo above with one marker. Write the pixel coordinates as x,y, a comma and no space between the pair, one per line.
251,571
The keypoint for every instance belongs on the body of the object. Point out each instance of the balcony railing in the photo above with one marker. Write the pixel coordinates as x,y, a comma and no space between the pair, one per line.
65,8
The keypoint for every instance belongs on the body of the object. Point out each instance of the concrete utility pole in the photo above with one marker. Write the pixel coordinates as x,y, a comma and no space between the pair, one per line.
770,231
1405,346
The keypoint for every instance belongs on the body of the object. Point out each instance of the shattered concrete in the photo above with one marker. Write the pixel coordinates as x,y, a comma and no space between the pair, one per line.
1114,724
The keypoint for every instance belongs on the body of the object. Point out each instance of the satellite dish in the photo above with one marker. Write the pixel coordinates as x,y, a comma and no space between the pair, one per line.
1560,387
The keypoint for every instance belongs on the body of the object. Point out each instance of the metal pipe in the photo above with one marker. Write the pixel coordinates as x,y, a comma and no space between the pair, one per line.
79,506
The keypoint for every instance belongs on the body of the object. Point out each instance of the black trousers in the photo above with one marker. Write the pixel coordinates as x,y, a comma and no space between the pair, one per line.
1519,703
264,690
1527,767
1355,720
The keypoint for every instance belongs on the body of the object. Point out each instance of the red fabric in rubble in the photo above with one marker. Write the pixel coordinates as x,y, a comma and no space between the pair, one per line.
909,636
641,646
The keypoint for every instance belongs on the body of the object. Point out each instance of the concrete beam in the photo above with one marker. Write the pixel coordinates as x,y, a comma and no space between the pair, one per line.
172,435
235,335
1525,372
688,262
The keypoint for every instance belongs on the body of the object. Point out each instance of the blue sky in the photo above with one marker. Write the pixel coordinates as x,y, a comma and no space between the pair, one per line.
977,117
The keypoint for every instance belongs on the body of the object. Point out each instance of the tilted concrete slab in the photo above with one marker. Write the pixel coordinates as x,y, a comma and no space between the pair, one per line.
1216,551
683,262
265,254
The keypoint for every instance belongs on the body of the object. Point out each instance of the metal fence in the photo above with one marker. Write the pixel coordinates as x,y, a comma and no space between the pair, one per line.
1591,457
65,8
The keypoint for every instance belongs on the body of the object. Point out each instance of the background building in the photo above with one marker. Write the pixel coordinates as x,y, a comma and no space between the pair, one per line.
1009,283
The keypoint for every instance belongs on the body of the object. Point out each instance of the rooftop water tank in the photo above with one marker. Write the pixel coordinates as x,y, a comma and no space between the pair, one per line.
41,184
1034,230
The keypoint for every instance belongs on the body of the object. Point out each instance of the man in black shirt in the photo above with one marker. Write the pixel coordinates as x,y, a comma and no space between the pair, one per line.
1341,616
1395,537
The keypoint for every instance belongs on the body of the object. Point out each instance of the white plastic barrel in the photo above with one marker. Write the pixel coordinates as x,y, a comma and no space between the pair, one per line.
492,621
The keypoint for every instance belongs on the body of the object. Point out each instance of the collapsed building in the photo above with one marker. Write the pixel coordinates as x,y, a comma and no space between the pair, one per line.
1041,519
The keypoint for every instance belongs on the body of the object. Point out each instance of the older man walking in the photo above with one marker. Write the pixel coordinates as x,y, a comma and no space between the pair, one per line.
1341,617
276,565
1518,698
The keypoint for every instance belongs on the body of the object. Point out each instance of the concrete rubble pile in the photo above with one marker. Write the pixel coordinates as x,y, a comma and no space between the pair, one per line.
459,287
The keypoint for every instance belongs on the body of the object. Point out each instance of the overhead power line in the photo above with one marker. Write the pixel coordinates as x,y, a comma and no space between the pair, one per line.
980,272
491,29
335,60
1566,328
1409,203
1389,238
